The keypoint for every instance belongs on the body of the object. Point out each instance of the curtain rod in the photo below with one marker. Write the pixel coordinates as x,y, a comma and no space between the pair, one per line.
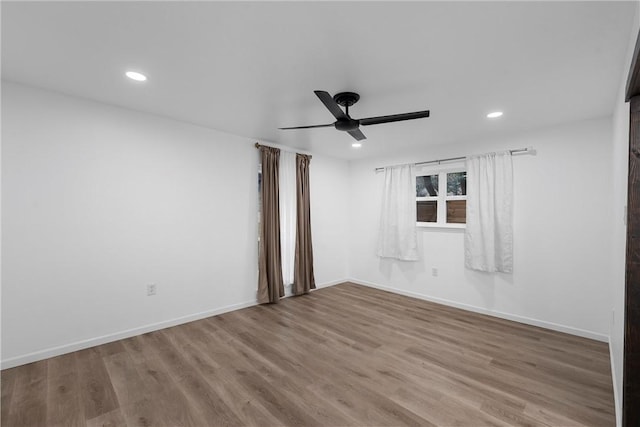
529,150
258,145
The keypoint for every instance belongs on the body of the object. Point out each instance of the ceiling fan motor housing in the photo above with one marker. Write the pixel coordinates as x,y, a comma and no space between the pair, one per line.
347,124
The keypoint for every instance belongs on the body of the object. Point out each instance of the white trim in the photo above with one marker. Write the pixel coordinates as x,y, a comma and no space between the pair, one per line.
452,225
508,316
104,339
616,398
332,283
92,342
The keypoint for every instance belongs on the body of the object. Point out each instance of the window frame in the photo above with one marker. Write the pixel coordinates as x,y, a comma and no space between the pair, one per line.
442,197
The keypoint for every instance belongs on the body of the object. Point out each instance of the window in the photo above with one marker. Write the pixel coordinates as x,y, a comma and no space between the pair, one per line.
441,198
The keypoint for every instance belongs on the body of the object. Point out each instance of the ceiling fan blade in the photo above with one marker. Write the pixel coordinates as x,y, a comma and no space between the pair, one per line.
357,134
308,127
394,118
331,105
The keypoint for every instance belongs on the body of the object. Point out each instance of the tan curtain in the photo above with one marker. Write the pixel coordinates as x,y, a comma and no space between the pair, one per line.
303,268
270,286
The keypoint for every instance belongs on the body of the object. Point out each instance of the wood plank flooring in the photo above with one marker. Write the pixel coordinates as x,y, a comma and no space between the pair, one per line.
344,355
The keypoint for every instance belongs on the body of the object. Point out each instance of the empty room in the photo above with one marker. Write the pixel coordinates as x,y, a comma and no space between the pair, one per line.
320,213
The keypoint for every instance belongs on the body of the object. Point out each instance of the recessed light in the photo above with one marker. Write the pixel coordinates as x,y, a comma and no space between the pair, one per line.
133,75
494,115
356,145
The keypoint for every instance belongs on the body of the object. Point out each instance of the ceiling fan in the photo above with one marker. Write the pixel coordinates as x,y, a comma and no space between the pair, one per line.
345,123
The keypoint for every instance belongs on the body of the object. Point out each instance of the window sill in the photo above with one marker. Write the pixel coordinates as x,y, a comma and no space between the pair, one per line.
442,226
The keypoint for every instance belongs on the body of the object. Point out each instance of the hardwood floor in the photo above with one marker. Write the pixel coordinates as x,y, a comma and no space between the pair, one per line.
344,355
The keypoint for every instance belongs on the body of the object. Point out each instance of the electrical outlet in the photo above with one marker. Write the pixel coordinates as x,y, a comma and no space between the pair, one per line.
151,289
434,272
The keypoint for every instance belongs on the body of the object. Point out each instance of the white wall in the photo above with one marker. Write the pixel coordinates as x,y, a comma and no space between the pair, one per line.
329,219
562,217
98,201
620,163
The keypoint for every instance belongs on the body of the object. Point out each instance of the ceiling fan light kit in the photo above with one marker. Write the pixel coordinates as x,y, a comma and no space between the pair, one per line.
345,123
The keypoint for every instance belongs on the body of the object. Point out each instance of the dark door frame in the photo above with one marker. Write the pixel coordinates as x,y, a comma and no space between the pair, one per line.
631,365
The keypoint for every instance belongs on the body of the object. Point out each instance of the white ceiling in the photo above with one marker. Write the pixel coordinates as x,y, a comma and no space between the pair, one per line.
249,68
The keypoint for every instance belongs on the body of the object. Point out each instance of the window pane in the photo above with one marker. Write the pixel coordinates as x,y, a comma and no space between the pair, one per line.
427,186
457,211
457,184
428,211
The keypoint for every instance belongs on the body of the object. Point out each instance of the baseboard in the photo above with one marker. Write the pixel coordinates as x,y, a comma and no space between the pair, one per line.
92,342
288,293
616,398
514,317
332,283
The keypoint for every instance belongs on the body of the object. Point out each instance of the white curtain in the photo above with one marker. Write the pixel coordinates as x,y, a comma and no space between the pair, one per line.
488,239
287,214
397,237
